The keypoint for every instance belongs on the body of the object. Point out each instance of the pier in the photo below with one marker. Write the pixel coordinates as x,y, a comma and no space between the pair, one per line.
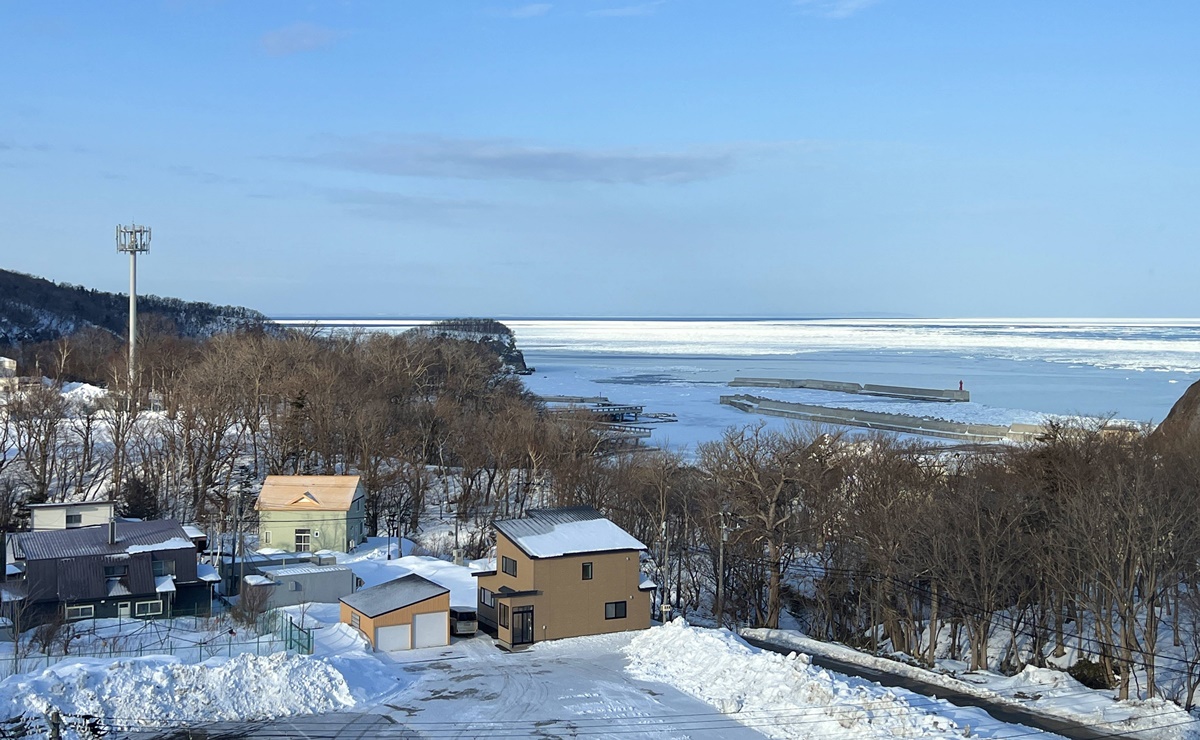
869,389
904,423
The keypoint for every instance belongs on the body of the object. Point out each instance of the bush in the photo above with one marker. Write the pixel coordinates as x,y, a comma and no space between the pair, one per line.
1092,675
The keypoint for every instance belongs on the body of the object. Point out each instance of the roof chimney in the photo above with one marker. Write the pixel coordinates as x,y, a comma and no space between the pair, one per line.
112,530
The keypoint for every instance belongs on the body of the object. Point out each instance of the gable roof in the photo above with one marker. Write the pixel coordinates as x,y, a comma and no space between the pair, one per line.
393,595
550,533
160,534
307,493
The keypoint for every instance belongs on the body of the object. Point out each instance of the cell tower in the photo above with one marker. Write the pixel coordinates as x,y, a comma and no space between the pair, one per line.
133,239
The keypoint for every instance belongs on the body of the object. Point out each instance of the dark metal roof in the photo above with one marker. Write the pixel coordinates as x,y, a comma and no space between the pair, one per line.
84,541
393,595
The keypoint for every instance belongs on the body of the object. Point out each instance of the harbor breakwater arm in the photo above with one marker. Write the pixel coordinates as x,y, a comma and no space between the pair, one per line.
869,389
904,423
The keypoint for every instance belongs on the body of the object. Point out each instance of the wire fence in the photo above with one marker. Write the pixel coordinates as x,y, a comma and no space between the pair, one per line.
193,638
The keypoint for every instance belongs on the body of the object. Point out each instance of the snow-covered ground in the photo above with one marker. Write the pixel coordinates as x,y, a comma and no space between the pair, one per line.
672,681
1047,691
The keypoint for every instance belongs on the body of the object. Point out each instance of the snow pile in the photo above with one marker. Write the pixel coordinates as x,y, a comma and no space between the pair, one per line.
783,697
148,691
1049,692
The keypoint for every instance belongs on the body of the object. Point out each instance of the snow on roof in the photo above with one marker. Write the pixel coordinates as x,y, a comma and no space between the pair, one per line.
11,592
307,493
193,531
175,543
84,541
164,584
646,584
206,572
280,571
550,533
393,595
259,581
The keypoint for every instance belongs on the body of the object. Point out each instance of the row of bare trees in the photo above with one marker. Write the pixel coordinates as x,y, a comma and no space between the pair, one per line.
1087,540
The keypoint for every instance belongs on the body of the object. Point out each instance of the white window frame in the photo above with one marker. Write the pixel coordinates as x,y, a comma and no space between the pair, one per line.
74,520
154,608
81,611
356,621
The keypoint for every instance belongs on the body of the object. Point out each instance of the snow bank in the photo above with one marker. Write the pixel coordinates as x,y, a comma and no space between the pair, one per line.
144,691
1050,692
782,697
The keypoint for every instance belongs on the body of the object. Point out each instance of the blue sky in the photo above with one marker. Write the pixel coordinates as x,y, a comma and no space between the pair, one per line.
611,157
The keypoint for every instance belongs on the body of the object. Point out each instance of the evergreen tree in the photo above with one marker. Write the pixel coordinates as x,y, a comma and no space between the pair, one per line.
139,500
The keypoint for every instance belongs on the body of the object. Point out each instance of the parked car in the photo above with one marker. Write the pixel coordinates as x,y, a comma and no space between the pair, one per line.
463,621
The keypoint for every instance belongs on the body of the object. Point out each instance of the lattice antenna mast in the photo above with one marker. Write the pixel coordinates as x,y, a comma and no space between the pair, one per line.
133,239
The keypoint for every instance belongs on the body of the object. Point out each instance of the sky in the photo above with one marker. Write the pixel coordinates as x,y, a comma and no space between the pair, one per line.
783,158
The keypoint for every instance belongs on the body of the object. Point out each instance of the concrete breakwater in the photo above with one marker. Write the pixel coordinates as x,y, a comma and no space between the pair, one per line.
868,389
905,423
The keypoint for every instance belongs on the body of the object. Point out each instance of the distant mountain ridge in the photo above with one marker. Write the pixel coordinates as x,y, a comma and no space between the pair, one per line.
33,309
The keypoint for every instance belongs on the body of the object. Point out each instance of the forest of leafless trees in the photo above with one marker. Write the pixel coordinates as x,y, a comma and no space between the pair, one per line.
1085,541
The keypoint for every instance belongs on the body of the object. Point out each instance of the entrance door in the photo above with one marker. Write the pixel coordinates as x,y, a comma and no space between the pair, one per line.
123,610
522,625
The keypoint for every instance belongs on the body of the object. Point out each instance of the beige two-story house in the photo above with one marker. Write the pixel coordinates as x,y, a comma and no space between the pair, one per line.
563,573
308,513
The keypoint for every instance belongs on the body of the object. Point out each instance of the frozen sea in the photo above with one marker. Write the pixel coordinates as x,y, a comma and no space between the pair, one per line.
1017,370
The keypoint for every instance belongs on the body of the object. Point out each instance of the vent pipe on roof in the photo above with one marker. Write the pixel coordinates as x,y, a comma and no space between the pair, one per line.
112,530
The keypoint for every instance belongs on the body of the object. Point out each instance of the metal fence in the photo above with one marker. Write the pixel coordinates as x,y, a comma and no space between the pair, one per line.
193,638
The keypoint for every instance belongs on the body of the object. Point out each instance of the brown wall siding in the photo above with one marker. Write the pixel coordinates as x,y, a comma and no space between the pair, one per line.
367,625
568,605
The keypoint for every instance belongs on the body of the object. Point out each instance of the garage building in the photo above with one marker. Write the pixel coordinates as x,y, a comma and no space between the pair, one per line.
404,614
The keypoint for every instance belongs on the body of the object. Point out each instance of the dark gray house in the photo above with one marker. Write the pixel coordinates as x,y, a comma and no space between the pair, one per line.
123,569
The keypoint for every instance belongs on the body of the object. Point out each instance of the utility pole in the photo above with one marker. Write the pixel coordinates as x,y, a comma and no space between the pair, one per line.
133,239
721,573
237,539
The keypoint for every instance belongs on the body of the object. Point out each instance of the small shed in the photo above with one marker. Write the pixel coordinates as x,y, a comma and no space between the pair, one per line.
403,614
296,584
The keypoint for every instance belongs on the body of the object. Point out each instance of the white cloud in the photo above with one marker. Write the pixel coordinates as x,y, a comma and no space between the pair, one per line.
532,10
298,38
627,10
833,9
498,159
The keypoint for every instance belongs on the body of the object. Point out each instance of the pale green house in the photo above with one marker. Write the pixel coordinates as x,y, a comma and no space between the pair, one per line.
307,513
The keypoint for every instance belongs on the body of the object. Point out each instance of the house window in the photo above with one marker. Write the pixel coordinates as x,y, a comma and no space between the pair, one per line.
303,540
267,537
74,520
163,567
355,621
487,598
614,610
147,608
587,571
81,612
116,571
504,615
508,565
